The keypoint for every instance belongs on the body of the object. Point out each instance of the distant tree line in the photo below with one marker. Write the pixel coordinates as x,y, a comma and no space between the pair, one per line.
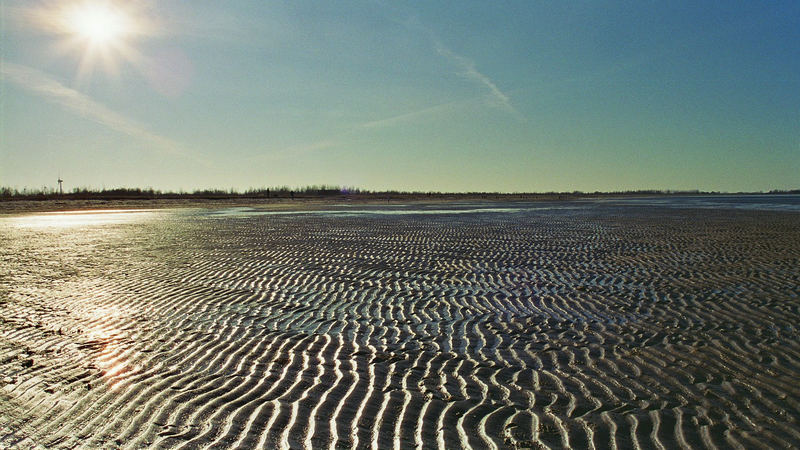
319,191
122,193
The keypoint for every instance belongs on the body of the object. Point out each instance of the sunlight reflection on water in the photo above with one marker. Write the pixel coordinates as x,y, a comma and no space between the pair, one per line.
379,211
68,219
102,332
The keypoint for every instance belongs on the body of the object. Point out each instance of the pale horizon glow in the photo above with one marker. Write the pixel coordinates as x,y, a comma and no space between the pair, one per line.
417,96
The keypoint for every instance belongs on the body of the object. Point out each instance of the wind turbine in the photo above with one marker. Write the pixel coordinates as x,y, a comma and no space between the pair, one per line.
60,188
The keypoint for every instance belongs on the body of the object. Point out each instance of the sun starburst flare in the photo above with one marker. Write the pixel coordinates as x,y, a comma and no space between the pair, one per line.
103,32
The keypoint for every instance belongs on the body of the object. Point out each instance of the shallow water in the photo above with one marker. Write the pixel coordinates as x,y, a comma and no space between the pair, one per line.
456,325
767,202
395,210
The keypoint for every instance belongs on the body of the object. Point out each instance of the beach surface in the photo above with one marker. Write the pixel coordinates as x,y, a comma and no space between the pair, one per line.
628,324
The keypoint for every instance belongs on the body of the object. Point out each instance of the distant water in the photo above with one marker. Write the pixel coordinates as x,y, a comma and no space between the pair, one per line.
396,210
771,202
403,209
747,202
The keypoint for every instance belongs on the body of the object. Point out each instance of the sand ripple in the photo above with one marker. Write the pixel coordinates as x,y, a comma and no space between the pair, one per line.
599,326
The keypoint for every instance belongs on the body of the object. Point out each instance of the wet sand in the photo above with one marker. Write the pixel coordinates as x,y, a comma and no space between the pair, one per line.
485,326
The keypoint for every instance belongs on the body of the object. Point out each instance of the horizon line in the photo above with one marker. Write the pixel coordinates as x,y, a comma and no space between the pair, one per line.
332,190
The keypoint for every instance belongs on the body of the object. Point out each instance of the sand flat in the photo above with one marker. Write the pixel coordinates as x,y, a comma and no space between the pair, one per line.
540,325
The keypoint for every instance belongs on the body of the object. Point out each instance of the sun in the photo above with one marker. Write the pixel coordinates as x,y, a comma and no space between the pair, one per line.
103,33
105,30
98,23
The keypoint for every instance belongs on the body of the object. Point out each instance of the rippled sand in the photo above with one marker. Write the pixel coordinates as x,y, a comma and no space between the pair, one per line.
519,326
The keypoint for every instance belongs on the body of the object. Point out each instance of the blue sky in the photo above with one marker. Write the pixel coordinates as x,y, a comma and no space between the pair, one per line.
457,96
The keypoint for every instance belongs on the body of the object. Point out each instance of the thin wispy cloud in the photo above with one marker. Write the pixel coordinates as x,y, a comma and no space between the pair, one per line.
335,140
52,90
411,116
469,71
358,128
467,67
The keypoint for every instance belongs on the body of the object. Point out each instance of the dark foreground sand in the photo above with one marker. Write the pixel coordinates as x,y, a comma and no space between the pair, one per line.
561,325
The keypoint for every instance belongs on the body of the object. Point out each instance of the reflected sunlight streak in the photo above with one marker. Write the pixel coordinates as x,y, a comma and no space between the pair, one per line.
113,361
113,358
69,219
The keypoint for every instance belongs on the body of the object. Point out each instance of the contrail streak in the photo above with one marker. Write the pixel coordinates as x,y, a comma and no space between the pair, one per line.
52,90
469,71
